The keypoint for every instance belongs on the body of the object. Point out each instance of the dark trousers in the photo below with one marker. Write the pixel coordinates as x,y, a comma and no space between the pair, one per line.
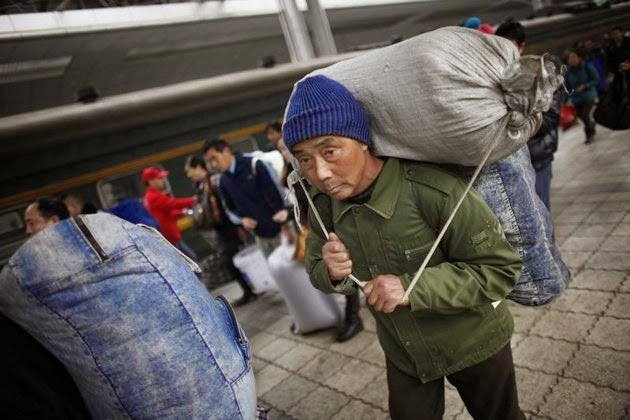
488,390
585,114
231,244
353,305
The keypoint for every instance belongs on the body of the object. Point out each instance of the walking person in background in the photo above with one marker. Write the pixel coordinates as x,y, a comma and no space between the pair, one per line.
542,147
596,56
252,196
166,209
581,80
619,60
196,171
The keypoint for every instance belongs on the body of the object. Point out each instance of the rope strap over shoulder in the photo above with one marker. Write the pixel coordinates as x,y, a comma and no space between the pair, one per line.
296,177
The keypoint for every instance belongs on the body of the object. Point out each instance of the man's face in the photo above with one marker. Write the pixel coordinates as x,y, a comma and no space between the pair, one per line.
195,174
220,161
616,35
34,221
158,183
335,165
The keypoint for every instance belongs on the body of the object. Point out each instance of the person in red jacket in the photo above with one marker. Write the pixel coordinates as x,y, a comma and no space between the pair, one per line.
166,209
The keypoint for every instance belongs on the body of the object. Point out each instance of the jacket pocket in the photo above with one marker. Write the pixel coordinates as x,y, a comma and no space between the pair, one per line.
239,335
414,254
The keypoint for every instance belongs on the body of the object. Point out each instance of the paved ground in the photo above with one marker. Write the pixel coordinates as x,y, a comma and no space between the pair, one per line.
572,356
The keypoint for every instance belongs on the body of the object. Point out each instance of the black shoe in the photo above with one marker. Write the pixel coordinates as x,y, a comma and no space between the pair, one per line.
350,329
248,297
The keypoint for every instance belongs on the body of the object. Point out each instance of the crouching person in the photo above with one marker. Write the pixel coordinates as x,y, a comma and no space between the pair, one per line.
385,214
123,311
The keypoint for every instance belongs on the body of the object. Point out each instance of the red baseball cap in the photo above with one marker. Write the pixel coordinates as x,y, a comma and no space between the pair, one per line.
152,172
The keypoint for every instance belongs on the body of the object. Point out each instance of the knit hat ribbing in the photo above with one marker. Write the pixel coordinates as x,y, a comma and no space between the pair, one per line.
320,106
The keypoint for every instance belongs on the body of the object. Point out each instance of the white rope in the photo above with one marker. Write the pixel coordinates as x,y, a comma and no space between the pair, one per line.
298,178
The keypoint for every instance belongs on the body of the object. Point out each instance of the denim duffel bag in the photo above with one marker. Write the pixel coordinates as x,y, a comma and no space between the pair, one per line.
126,315
508,187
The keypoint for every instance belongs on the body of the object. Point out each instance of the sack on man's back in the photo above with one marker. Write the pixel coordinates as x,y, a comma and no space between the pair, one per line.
445,95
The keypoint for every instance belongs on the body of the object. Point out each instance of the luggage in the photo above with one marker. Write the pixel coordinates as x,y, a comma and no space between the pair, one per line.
446,95
508,187
253,264
568,116
310,309
121,309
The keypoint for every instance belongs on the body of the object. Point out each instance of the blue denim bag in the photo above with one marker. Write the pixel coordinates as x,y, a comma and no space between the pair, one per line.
508,187
126,315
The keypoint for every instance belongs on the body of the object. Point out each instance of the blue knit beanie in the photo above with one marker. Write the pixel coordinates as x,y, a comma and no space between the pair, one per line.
320,106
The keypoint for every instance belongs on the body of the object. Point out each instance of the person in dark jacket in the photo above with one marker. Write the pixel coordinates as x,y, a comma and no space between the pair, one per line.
196,171
543,145
595,55
581,80
252,197
619,60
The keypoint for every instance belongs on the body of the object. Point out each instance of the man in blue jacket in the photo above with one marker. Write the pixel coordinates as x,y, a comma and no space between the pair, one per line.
251,195
581,80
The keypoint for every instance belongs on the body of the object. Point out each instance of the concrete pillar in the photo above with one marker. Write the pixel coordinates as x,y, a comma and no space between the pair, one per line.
320,28
295,32
538,4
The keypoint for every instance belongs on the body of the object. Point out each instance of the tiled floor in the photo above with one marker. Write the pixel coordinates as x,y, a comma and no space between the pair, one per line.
572,356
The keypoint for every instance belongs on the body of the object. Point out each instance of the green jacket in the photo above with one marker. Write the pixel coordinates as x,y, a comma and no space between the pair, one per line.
451,323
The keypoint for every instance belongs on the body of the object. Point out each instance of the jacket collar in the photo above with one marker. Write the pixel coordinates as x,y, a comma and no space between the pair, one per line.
384,197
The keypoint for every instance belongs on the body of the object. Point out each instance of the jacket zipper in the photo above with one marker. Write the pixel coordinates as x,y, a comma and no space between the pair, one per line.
90,238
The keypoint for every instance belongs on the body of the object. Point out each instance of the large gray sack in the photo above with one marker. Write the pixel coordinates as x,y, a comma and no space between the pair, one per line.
445,95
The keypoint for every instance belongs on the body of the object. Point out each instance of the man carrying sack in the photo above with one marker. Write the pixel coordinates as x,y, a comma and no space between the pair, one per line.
385,214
